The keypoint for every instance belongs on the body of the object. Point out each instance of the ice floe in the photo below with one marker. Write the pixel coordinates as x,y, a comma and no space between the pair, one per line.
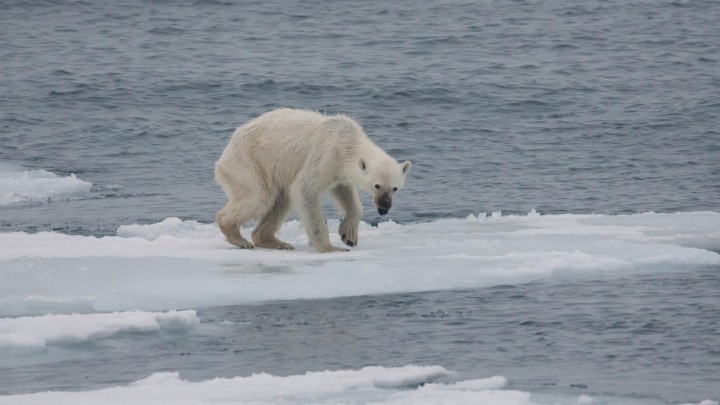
369,385
407,385
179,264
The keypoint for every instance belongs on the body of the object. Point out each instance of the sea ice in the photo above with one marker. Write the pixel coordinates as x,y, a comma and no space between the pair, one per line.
370,385
178,264
407,385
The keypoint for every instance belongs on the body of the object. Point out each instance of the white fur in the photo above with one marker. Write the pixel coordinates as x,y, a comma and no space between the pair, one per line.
286,159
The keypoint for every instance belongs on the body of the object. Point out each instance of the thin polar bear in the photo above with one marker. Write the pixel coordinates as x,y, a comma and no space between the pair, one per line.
286,159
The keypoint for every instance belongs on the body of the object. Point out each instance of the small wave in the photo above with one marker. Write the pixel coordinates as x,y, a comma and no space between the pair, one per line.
564,47
61,72
311,89
445,40
528,103
434,94
21,119
267,84
213,3
167,31
66,92
171,87
658,42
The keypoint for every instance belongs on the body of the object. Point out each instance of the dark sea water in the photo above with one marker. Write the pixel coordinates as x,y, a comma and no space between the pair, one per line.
564,107
590,106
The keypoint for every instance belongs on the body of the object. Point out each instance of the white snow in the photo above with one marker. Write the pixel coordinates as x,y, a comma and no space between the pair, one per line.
18,186
33,333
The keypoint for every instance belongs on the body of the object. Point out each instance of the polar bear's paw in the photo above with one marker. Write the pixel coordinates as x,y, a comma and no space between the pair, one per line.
242,243
232,235
331,249
274,244
348,232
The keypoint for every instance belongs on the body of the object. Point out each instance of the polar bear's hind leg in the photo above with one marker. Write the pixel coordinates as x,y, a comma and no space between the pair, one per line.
264,233
243,205
230,218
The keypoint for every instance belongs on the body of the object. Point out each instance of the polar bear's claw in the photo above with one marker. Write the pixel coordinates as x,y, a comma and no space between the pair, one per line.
242,243
347,241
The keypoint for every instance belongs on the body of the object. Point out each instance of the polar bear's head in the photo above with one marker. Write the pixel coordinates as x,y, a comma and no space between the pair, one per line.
383,178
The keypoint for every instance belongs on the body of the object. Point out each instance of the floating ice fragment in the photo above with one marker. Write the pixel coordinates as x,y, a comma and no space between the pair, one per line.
35,332
584,400
18,186
408,376
704,402
492,383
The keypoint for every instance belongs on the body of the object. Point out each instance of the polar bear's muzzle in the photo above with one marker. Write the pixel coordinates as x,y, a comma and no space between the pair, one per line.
383,202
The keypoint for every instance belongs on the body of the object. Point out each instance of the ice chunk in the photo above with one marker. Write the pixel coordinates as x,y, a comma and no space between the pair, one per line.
492,383
35,332
174,227
585,400
18,186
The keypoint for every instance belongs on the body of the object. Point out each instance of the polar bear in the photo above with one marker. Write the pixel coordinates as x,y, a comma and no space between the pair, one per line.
286,159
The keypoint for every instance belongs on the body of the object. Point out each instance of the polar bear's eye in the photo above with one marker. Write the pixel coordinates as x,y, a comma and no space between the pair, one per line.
377,186
394,188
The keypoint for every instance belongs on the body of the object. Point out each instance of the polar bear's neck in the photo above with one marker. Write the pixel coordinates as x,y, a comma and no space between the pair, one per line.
371,153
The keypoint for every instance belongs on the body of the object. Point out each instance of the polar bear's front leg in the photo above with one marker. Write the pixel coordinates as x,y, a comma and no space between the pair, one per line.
306,199
347,198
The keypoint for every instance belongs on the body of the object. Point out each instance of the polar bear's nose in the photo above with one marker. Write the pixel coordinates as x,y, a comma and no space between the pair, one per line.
383,204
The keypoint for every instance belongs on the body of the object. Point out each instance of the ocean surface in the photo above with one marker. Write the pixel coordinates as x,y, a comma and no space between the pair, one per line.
556,126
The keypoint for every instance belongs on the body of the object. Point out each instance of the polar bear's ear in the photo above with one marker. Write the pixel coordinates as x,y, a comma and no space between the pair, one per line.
363,166
406,165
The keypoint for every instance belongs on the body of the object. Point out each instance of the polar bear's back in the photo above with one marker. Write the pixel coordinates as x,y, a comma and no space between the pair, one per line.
298,130
281,143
